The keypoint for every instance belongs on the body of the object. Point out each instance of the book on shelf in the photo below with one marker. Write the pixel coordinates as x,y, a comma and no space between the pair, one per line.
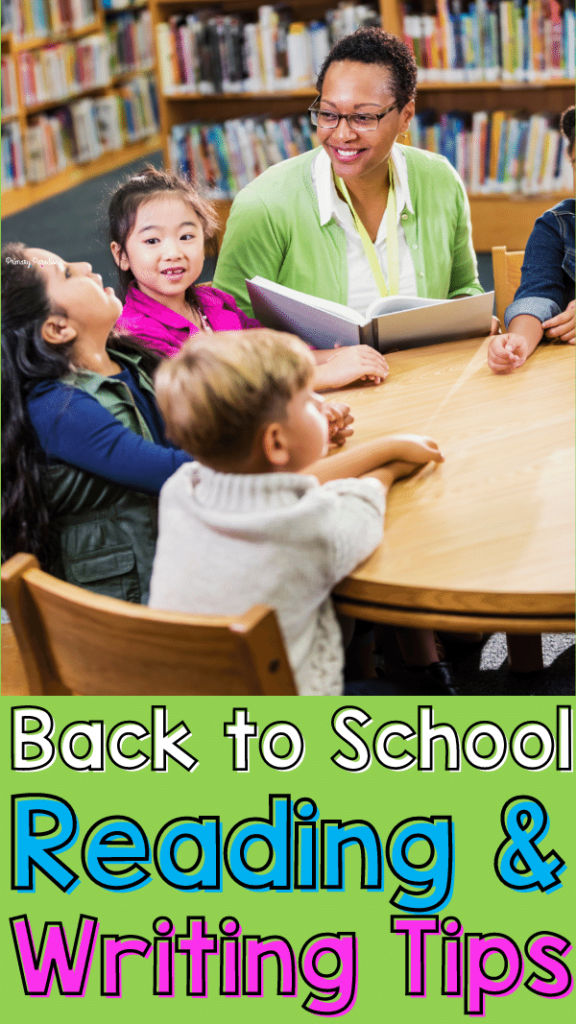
225,157
494,153
207,52
131,42
7,15
57,72
39,19
71,14
492,40
138,104
9,90
86,131
109,123
82,131
119,5
499,151
395,322
12,157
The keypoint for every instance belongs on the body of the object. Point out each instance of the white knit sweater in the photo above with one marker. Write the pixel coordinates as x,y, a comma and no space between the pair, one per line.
227,542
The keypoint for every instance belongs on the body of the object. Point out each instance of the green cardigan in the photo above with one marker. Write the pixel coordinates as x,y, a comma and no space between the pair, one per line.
274,230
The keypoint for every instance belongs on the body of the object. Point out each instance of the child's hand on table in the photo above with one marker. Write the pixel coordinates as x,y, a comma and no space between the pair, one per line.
409,452
563,326
412,448
403,452
506,352
339,422
348,363
393,471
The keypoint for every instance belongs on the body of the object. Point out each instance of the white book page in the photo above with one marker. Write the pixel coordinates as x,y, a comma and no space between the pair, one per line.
398,304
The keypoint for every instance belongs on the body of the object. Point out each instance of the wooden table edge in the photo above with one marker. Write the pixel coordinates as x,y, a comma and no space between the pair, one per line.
428,618
486,604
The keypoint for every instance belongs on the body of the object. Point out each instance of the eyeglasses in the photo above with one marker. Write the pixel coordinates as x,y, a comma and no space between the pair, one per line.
357,122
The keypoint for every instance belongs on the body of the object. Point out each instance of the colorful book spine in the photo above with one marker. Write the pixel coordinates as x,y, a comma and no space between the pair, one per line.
9,91
131,42
39,19
498,152
13,175
203,52
59,71
492,40
7,16
80,132
223,158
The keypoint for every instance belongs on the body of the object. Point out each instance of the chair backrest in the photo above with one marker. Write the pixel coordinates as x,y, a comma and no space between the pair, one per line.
75,642
507,268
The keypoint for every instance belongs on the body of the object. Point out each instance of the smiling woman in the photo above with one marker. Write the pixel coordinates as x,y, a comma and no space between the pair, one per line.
363,215
84,453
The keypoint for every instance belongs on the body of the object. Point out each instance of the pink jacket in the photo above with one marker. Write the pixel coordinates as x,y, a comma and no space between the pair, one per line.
159,328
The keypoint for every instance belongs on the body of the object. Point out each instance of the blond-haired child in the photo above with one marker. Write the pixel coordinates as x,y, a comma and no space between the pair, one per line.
257,519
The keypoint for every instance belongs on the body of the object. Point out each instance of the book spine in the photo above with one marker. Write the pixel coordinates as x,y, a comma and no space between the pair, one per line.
228,156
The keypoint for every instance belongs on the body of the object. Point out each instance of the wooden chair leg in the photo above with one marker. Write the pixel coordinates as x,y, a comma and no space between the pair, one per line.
14,681
525,652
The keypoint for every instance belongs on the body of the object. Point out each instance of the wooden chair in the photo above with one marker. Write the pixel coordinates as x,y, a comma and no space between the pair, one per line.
507,268
75,642
14,679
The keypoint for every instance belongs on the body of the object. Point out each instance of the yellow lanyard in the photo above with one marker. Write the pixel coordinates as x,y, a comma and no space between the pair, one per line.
391,224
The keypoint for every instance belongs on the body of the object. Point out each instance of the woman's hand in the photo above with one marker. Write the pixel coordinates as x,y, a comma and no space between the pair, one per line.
350,363
563,326
339,422
506,352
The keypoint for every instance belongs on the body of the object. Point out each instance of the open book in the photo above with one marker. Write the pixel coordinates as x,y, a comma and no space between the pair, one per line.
398,321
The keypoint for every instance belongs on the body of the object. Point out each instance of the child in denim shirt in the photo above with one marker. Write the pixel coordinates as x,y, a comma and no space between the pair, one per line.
544,303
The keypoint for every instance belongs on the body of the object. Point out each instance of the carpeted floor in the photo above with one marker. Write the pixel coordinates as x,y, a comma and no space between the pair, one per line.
482,669
486,671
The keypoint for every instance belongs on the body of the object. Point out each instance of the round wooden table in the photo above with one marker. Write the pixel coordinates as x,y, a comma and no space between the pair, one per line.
485,540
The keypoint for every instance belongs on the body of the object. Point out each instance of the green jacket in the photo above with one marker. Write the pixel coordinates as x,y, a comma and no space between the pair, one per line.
274,230
107,533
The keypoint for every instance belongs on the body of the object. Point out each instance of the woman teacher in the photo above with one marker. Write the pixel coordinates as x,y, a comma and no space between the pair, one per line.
361,217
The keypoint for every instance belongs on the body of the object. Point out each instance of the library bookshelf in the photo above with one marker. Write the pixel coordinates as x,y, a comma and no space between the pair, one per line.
507,218
27,194
496,218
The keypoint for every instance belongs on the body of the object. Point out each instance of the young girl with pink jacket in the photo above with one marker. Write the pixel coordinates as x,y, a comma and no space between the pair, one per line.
159,226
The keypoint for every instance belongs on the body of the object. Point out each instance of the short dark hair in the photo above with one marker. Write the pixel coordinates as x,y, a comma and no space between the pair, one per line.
372,45
567,126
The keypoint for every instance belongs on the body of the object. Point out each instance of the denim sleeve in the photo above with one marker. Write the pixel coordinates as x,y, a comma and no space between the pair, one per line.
74,428
541,292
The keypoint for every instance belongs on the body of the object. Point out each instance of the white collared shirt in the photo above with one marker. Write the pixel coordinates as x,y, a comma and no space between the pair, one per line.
362,288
